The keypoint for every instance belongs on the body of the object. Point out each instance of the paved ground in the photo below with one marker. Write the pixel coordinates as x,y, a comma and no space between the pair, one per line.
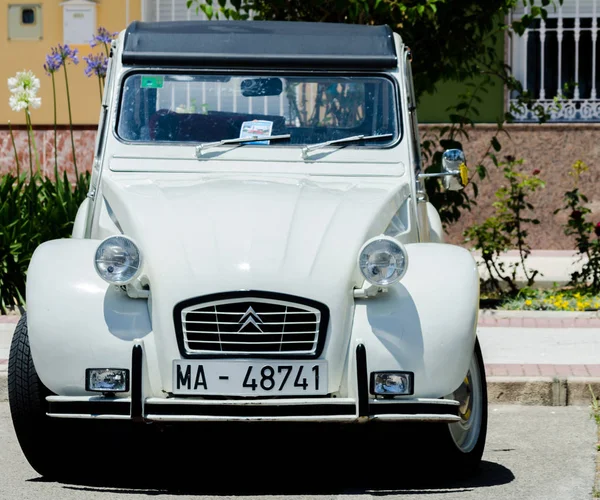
503,345
6,331
532,453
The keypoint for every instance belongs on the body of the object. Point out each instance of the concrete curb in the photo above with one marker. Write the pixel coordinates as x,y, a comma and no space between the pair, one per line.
543,391
534,391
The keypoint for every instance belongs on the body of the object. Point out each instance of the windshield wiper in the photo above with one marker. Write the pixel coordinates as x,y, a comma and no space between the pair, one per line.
239,140
334,142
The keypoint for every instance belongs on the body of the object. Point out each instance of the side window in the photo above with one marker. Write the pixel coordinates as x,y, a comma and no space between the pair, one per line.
412,109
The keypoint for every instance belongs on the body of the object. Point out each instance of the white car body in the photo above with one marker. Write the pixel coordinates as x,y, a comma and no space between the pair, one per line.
245,220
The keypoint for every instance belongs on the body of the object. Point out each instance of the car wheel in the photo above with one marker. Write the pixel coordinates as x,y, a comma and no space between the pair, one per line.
462,443
27,399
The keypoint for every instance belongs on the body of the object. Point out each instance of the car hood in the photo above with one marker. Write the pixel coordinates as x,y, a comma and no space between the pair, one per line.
219,233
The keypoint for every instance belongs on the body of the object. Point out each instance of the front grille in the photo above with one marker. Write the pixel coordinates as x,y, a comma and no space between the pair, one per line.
251,325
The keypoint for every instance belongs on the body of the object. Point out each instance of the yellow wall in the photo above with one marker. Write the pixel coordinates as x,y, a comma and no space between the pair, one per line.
18,55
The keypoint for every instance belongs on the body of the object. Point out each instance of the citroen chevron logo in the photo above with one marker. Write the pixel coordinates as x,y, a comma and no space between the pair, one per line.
251,317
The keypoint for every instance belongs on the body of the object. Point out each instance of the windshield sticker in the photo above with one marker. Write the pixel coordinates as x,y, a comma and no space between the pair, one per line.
256,128
152,82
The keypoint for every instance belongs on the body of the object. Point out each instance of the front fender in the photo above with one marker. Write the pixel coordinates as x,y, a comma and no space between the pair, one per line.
426,323
75,318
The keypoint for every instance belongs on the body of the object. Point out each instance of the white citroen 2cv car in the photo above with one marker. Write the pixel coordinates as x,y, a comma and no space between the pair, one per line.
256,245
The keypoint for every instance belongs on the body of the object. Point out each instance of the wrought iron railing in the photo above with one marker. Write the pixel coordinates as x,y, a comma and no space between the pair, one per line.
556,61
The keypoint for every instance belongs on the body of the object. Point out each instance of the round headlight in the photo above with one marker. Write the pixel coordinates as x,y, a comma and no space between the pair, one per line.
118,260
382,260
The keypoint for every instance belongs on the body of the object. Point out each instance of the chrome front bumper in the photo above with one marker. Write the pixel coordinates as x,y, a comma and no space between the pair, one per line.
361,409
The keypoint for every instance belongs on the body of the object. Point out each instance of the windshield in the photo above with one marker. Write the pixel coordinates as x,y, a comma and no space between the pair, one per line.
182,108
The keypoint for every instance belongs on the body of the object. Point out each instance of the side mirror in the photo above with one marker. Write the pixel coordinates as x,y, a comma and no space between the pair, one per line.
454,170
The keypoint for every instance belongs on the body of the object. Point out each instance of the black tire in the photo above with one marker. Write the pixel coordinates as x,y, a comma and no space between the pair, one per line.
28,406
465,460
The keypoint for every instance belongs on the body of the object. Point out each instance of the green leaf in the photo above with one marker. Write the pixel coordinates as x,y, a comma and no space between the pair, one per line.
496,144
208,10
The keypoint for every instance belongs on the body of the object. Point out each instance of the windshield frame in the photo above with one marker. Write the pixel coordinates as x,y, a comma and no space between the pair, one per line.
132,71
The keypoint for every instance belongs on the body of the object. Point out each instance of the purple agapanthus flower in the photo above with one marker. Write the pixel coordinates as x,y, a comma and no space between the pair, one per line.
103,36
96,65
66,54
53,63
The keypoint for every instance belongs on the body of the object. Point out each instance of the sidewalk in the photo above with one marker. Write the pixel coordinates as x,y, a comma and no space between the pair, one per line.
541,365
541,359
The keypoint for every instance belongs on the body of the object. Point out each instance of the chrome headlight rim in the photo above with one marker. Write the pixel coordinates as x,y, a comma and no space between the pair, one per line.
140,260
390,241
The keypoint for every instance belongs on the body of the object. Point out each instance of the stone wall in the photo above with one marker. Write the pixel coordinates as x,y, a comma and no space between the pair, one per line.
552,148
44,139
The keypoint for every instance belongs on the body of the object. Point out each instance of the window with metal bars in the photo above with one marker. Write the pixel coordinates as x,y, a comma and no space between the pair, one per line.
171,10
559,51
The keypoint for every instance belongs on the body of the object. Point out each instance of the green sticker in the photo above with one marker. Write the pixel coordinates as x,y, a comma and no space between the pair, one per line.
152,82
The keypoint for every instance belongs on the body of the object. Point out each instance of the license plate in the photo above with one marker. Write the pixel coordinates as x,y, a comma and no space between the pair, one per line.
244,378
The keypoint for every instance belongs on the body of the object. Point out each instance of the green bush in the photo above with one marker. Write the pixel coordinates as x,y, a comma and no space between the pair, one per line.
507,228
31,212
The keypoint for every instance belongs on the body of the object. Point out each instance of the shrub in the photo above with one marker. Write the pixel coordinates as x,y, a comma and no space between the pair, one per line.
507,229
587,235
32,211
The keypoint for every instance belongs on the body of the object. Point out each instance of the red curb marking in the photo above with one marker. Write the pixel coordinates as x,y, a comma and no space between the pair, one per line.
544,370
547,370
514,370
531,370
9,319
563,370
579,371
501,370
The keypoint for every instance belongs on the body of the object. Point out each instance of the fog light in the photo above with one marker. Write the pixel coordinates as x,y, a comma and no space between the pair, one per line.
106,380
391,383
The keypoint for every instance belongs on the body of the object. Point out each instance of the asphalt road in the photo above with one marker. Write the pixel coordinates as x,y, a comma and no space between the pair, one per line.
532,453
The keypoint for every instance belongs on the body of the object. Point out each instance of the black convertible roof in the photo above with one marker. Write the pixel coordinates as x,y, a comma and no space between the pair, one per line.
252,44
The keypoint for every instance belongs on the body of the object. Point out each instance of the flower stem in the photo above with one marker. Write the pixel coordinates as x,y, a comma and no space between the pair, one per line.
12,139
71,123
100,88
35,149
55,133
29,143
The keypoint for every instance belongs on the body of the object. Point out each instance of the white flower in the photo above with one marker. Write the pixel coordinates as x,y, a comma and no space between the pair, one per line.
35,102
24,99
24,80
16,103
